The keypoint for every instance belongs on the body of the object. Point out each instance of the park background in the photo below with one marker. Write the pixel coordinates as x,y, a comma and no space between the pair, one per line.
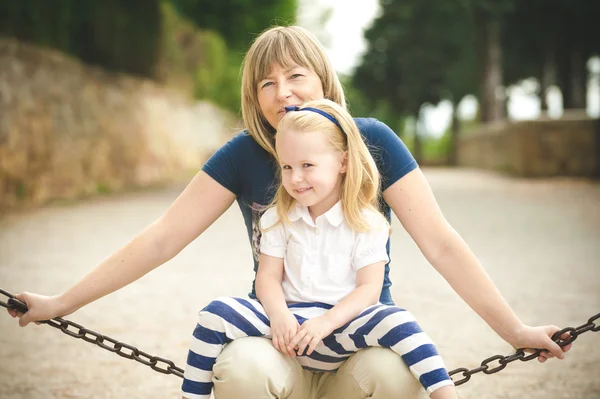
108,108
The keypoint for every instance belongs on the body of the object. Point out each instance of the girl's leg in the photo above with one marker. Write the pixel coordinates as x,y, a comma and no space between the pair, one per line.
394,328
222,321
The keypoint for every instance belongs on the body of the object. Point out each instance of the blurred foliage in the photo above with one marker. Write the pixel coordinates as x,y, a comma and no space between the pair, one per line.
196,46
552,40
425,51
238,21
118,35
198,61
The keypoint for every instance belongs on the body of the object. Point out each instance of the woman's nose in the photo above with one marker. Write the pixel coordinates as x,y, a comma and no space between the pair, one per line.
283,91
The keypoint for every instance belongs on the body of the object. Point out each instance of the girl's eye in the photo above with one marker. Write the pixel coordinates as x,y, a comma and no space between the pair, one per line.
286,167
306,165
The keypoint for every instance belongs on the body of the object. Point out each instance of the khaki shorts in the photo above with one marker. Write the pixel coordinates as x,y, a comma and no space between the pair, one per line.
251,368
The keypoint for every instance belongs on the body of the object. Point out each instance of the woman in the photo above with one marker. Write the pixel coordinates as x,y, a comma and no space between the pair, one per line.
287,66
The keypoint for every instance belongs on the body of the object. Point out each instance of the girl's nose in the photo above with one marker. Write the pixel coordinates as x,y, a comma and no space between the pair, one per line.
297,177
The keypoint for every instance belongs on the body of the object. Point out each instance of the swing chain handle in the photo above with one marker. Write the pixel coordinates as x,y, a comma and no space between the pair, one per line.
521,354
133,353
105,342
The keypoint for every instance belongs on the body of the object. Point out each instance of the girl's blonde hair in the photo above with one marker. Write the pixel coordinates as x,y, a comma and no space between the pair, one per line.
283,46
360,183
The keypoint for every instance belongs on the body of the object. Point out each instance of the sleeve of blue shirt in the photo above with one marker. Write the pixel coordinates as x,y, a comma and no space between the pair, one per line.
223,165
392,157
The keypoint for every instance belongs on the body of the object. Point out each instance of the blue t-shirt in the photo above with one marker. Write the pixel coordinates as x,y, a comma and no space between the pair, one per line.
243,167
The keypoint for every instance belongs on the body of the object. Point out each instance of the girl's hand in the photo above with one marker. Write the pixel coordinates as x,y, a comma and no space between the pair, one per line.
40,307
541,337
310,334
283,328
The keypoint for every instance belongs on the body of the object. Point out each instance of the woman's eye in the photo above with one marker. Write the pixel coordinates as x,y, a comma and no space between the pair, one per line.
296,75
266,84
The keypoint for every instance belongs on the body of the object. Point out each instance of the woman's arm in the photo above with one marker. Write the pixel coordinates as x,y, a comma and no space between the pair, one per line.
413,203
198,206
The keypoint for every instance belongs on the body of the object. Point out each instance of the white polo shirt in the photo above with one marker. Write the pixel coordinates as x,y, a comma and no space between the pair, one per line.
321,257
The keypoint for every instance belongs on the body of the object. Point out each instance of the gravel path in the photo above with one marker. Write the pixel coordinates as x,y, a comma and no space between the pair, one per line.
537,239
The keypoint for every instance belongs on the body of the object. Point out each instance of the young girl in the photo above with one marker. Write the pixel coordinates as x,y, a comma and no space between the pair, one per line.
322,259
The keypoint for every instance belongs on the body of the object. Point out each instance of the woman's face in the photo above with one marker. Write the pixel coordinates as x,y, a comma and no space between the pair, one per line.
287,86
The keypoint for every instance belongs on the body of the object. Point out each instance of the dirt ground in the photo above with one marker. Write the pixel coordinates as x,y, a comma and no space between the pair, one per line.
539,241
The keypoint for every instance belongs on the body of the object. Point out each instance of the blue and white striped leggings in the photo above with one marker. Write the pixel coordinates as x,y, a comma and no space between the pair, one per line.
226,319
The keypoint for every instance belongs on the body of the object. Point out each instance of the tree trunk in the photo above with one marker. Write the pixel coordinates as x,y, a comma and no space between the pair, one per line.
417,147
490,53
454,133
573,77
548,72
578,80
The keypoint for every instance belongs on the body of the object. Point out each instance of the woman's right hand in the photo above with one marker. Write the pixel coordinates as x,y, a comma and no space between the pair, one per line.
40,307
283,328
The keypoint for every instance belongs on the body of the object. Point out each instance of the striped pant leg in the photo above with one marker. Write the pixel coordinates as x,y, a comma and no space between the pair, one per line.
397,329
222,321
322,358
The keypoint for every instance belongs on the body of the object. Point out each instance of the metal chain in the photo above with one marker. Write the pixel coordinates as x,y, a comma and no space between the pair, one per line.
503,361
75,330
133,353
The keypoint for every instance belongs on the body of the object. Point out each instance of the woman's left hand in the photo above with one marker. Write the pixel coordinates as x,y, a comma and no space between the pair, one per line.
541,338
310,333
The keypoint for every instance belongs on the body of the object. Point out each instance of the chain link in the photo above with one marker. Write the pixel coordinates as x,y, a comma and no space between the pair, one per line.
521,355
75,330
131,352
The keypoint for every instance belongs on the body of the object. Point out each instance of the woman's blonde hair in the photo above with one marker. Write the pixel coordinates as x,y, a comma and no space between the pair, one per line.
283,46
360,183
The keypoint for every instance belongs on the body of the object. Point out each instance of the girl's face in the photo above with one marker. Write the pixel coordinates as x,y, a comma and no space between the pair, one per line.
287,86
311,169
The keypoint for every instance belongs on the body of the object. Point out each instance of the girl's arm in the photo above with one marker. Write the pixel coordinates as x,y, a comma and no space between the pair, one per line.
268,285
270,294
413,203
369,280
198,206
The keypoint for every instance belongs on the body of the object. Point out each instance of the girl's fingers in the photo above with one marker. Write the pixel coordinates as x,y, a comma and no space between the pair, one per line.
313,345
303,344
289,348
294,343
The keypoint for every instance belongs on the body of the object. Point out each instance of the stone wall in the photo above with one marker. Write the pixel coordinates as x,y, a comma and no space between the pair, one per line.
69,130
569,146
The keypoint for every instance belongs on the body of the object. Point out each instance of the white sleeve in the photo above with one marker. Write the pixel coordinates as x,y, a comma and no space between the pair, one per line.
370,246
272,242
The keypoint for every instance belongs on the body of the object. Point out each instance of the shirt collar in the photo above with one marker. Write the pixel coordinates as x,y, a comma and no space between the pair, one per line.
334,216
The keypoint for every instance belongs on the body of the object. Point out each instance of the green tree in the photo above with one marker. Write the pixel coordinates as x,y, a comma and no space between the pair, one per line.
239,21
552,40
417,51
121,35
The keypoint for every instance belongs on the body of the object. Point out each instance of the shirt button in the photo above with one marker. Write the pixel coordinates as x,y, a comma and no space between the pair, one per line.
317,231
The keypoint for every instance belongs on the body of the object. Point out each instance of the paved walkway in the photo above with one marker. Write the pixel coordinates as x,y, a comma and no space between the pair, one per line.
539,240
